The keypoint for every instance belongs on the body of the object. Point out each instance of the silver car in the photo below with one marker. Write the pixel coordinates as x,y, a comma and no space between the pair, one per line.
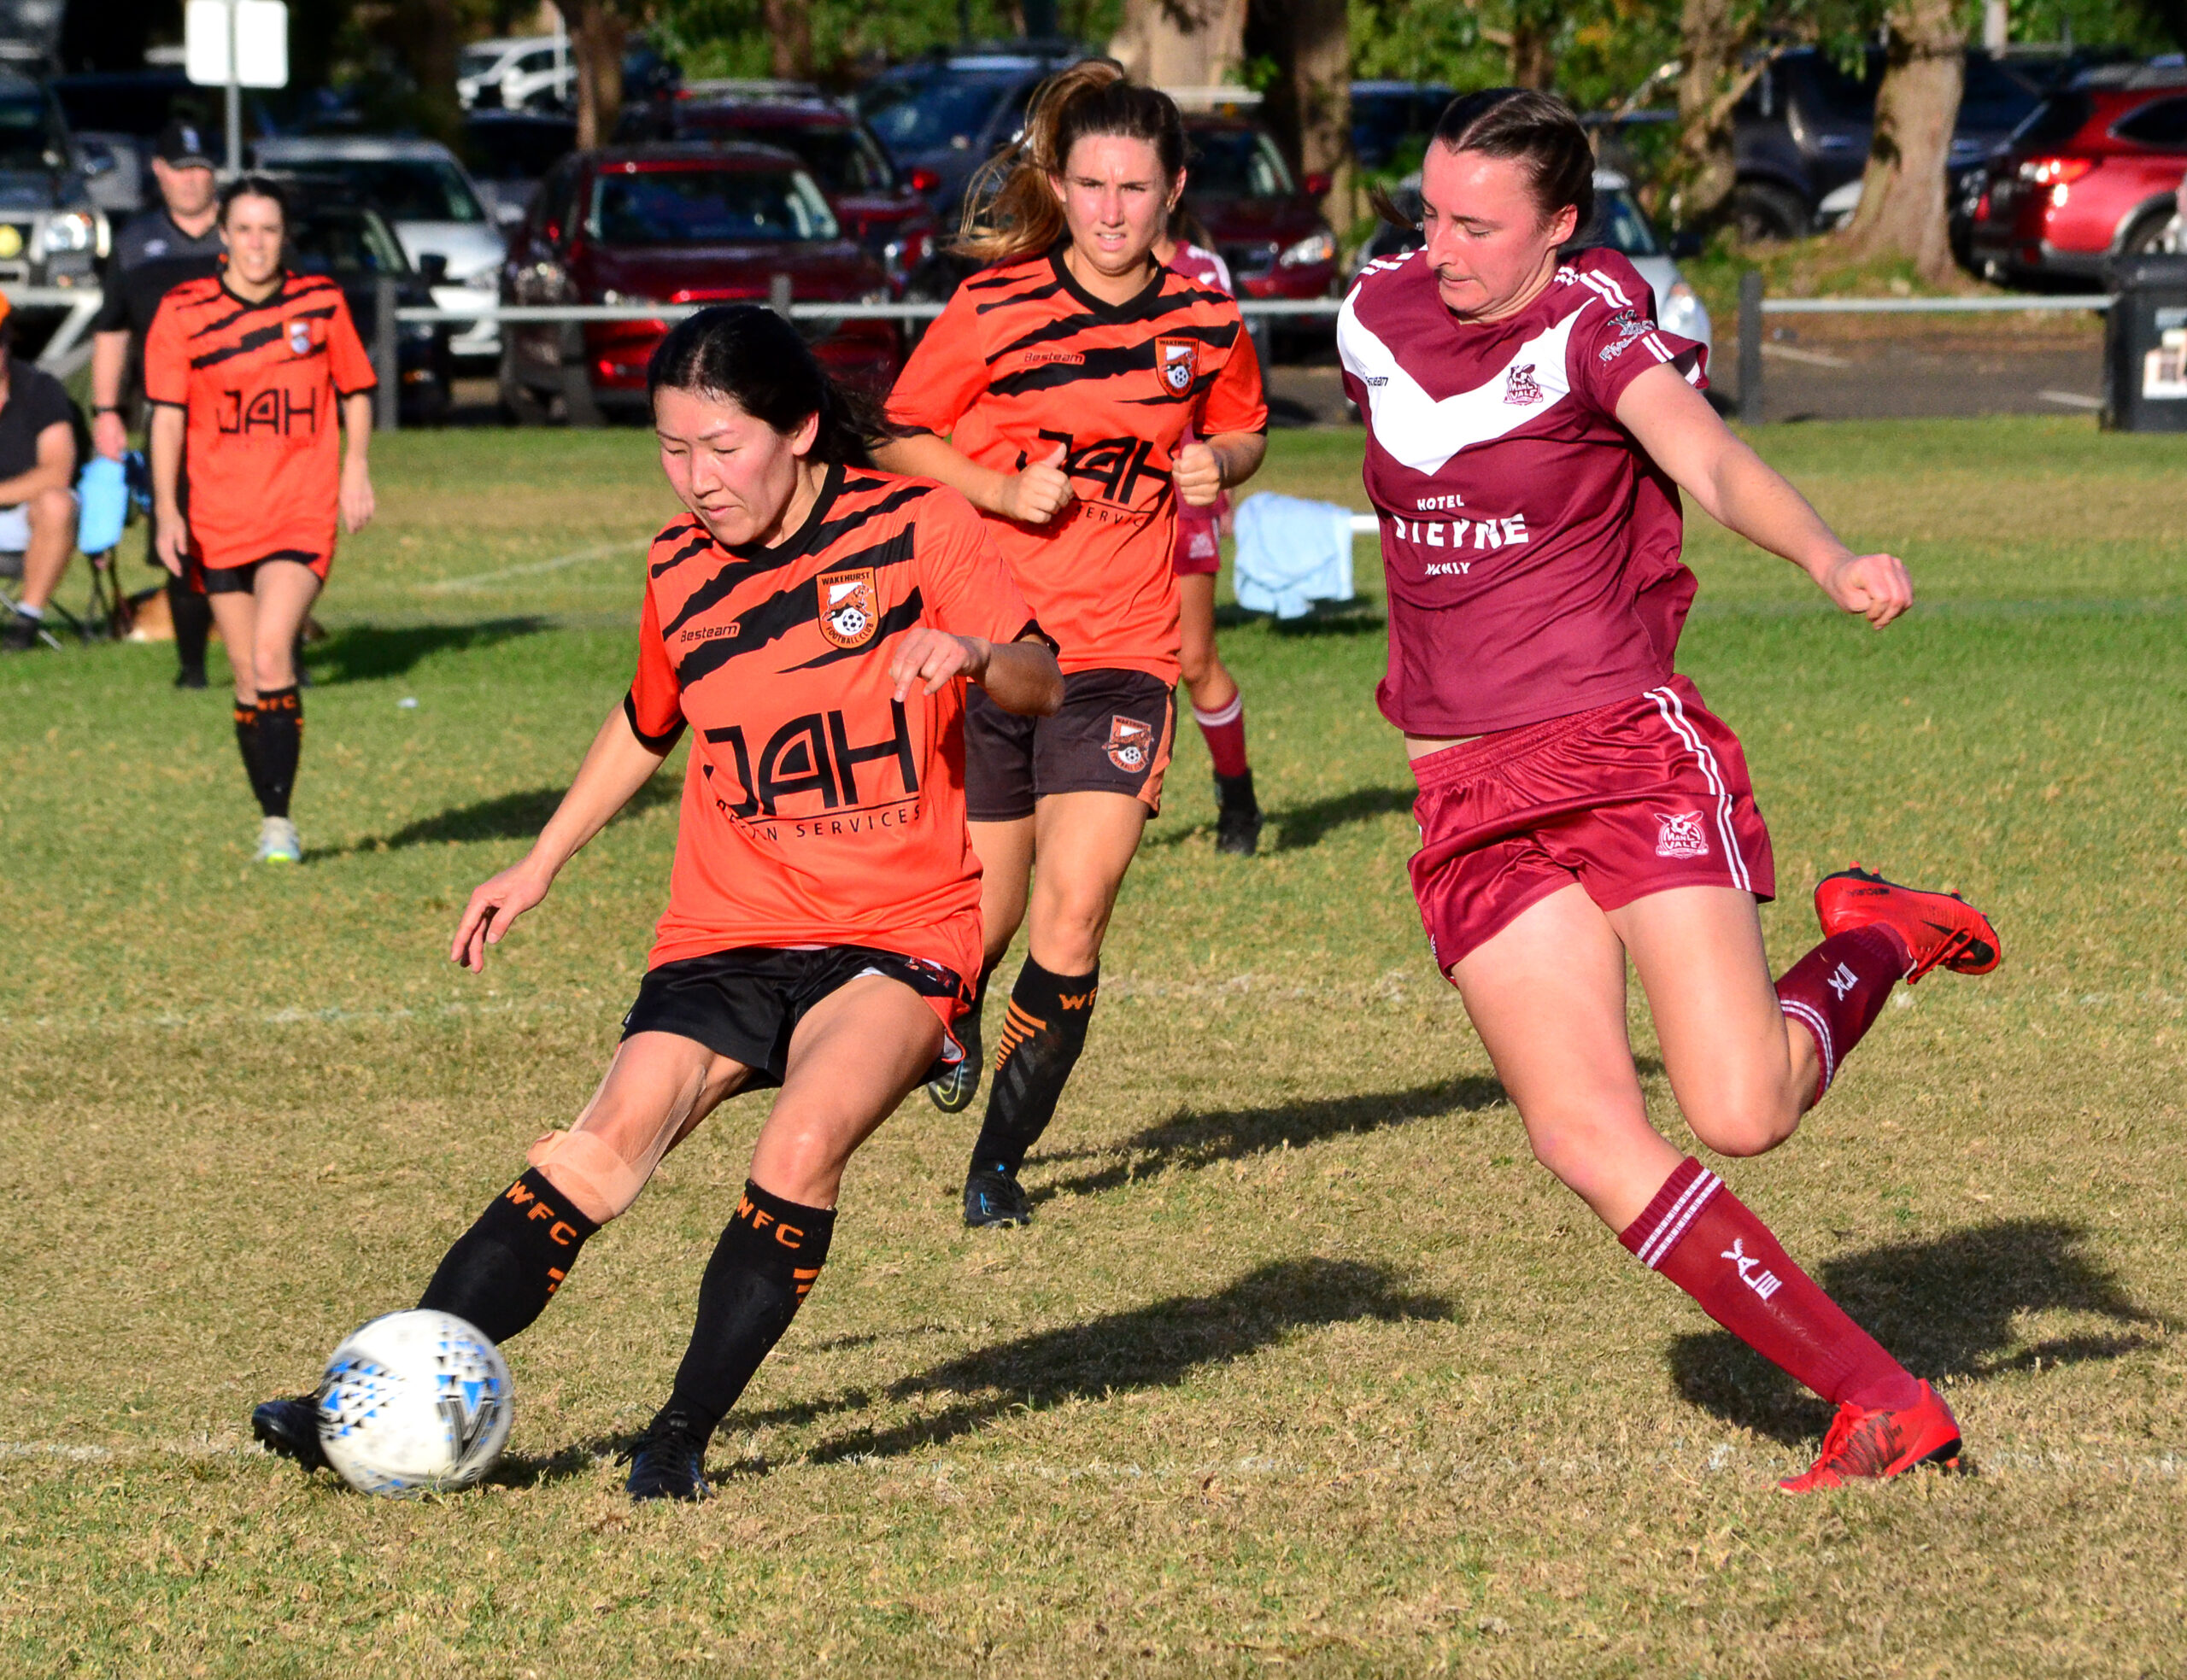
524,70
434,207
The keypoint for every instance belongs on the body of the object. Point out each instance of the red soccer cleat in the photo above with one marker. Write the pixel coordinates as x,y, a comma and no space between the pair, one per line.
1938,928
1878,1444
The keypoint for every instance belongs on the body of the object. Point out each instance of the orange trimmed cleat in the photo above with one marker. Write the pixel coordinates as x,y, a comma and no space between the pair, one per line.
1879,1444
1939,929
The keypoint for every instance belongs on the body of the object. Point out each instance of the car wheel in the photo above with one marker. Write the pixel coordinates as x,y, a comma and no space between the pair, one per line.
2146,238
1760,212
519,403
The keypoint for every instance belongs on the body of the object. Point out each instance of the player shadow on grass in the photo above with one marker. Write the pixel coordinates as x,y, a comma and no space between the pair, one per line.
367,652
1945,1307
1298,828
507,816
1188,1140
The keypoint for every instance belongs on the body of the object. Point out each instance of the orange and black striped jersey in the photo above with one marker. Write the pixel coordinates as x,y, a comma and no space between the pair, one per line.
818,809
262,384
1025,357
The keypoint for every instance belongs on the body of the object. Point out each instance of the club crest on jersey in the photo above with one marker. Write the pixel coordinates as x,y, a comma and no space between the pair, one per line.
849,614
1678,834
1519,388
299,338
1131,744
1178,361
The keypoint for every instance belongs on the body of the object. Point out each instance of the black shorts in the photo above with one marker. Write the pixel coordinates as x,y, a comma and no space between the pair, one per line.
745,1003
1112,735
242,580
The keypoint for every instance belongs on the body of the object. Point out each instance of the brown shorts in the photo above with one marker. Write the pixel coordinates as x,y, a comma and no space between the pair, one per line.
1112,735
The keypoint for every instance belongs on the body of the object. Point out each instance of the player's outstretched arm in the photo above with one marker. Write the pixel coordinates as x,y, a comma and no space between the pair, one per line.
1685,437
1211,466
1032,497
614,769
1019,677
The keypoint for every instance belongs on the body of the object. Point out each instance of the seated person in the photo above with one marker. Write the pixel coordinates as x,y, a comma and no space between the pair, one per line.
38,464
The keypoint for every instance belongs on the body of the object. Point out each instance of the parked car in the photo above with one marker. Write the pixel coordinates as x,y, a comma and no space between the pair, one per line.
1266,225
2089,178
1387,115
525,73
353,245
876,205
51,233
508,154
434,209
941,119
676,224
1620,224
121,112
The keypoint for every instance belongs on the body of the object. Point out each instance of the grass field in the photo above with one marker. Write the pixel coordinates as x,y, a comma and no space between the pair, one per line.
1304,1365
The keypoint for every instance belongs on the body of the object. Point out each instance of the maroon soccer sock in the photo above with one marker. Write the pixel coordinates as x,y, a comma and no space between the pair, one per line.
1838,989
1224,731
1701,1236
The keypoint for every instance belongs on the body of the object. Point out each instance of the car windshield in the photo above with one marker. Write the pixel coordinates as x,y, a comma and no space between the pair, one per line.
2055,121
27,136
1623,225
1236,163
926,117
405,189
478,60
707,206
1846,96
843,158
1994,98
344,242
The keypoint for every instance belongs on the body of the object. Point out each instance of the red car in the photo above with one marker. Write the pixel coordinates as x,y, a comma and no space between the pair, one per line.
1269,231
676,224
2089,177
883,209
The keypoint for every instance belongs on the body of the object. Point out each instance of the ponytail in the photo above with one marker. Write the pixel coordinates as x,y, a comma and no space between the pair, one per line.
1010,210
761,363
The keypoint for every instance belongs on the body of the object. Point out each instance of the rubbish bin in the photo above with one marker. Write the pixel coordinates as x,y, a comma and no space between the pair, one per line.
2145,346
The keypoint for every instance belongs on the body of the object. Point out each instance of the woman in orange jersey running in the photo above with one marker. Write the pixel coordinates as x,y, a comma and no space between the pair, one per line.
1056,391
816,624
251,369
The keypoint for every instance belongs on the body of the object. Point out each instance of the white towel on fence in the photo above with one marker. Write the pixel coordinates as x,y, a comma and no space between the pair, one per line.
1292,552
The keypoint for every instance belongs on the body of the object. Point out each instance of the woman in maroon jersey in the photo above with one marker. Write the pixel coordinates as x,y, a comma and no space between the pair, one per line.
1529,427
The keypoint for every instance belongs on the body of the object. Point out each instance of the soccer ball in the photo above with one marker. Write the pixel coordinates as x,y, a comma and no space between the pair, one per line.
414,1403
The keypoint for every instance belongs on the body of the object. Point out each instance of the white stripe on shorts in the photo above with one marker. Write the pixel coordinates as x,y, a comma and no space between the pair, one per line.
1674,712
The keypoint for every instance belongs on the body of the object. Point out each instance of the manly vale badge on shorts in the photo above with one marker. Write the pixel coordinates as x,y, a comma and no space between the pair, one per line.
848,614
1678,834
1177,360
1131,744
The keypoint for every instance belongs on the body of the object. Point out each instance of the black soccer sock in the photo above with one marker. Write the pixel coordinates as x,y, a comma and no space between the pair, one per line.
281,744
502,1271
762,1269
247,744
1043,1032
191,614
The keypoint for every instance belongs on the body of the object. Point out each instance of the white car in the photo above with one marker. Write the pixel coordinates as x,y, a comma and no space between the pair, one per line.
528,70
432,203
1620,224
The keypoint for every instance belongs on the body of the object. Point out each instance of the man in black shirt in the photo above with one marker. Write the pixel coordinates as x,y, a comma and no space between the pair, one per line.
153,253
38,466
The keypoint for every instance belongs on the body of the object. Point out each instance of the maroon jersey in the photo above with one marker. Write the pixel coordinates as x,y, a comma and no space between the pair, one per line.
1531,547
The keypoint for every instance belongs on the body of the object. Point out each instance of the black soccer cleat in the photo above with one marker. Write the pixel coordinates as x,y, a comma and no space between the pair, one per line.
669,1461
994,1199
953,1092
289,1429
21,633
190,677
1237,814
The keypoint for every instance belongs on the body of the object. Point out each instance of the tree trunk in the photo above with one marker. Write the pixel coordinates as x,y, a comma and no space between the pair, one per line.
1902,210
1308,107
1180,43
1713,37
789,37
426,31
1533,48
596,40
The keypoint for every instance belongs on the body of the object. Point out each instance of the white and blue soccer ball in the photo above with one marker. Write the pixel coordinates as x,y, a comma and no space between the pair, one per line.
414,1403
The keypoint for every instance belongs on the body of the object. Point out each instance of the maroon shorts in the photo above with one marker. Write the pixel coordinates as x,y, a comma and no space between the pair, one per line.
1196,552
1633,798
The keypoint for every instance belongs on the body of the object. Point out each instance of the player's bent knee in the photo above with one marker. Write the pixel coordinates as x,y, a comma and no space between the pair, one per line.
1745,1134
589,1172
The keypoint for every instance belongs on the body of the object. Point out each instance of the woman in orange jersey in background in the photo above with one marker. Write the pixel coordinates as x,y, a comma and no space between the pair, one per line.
817,624
1056,391
251,368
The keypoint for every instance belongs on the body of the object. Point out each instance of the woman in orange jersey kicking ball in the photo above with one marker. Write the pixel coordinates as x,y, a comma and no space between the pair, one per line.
247,371
816,624
1056,392
1529,428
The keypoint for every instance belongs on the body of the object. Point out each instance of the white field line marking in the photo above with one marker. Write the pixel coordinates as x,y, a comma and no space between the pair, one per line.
1812,358
479,579
2071,399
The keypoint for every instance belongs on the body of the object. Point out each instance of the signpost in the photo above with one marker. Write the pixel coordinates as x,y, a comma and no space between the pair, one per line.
236,44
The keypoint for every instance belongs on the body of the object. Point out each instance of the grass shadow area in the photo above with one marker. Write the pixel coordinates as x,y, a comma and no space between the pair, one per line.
1945,1307
1298,828
365,652
1193,1140
506,817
